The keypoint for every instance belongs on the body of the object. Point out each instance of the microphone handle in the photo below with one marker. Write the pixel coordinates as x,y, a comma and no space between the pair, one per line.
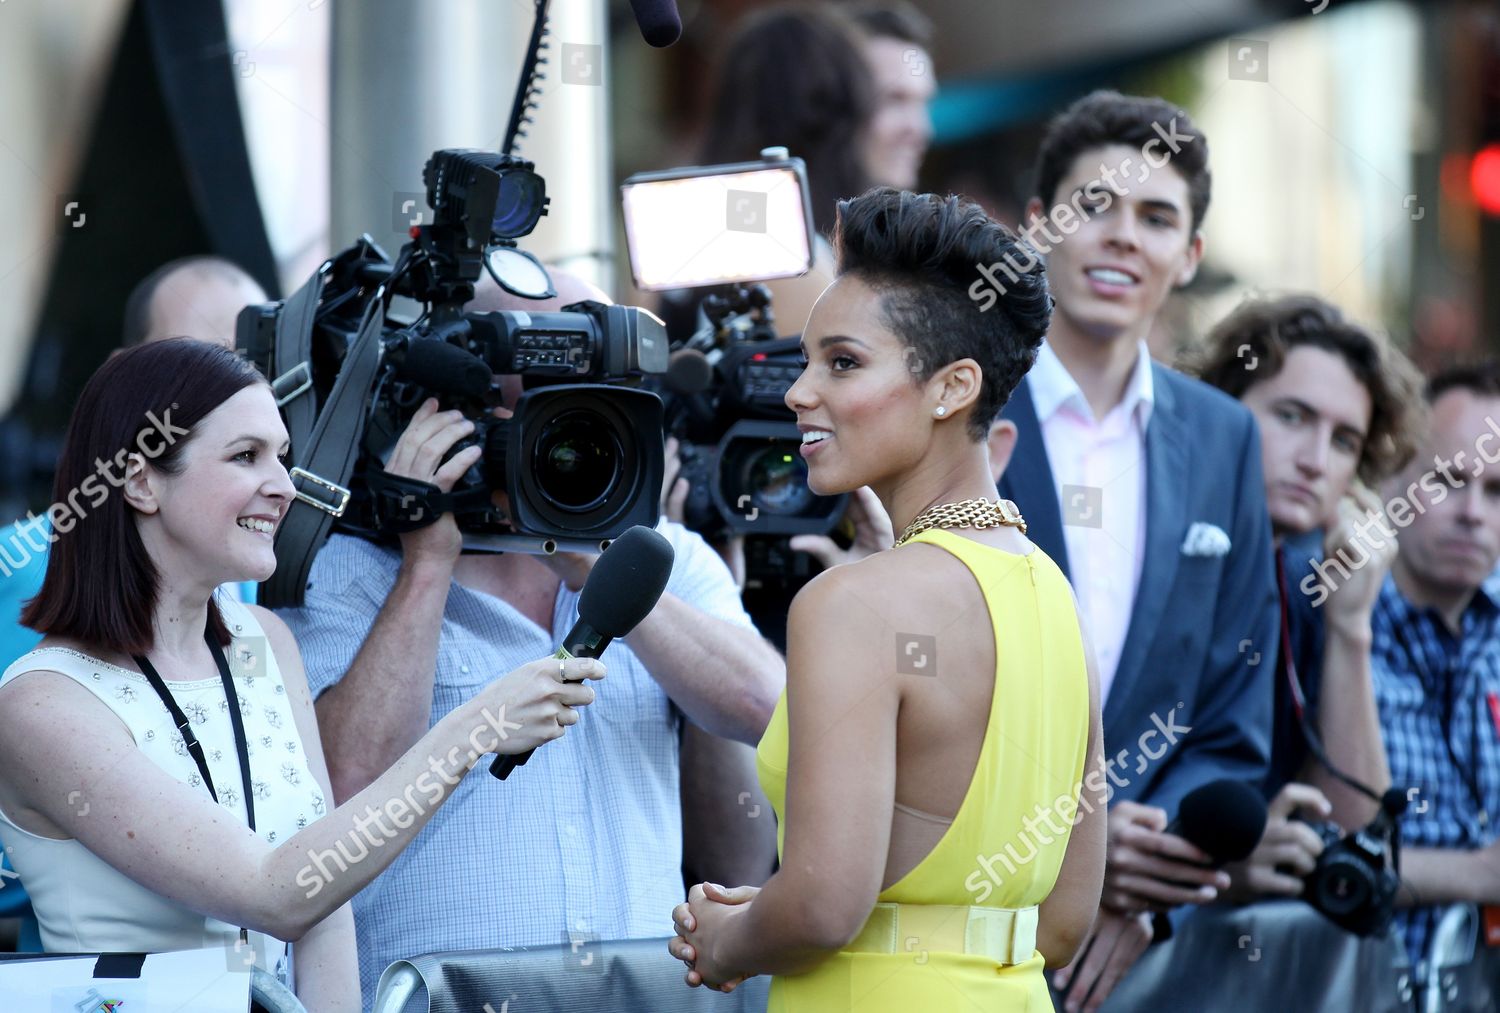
583,647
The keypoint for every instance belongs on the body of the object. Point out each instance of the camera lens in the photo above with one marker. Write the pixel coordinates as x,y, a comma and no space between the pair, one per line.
518,204
776,479
577,460
1344,888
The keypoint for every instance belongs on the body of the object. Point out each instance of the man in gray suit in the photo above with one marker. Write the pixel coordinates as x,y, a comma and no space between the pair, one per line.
1145,486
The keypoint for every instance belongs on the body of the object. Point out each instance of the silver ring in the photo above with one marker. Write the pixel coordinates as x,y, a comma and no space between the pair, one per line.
561,662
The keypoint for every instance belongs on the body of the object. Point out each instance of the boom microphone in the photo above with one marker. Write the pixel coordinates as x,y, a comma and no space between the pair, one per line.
1223,818
621,590
444,368
660,23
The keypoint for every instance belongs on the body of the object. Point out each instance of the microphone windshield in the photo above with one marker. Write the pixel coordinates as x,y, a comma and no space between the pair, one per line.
1225,818
447,369
626,582
689,372
660,23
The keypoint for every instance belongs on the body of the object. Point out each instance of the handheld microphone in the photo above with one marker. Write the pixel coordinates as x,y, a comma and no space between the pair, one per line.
621,590
443,368
660,23
1223,818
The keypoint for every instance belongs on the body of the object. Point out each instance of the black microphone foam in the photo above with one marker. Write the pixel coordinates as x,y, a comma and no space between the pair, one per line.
689,372
621,590
444,368
660,23
1224,818
626,583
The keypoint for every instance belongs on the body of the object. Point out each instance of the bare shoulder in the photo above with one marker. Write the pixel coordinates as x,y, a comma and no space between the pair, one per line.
34,703
269,621
883,592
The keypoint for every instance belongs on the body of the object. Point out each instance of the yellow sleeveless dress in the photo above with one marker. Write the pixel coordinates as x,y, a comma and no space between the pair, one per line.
958,931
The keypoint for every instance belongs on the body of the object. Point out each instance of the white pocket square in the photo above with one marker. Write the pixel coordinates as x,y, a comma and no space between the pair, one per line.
1205,540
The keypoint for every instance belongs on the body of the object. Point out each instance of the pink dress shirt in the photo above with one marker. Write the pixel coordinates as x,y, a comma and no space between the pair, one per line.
1098,466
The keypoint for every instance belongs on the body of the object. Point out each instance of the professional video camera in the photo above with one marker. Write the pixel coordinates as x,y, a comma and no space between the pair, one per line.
1355,879
581,458
726,385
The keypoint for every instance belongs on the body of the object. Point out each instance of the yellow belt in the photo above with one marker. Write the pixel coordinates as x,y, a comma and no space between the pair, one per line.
1005,935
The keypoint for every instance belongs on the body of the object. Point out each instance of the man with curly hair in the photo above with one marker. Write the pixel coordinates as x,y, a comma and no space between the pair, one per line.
1339,411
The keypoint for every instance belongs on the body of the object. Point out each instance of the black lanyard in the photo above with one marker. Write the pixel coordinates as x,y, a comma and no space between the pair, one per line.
1468,773
191,740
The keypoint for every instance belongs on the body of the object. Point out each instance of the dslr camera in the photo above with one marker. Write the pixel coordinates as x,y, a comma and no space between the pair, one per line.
1355,879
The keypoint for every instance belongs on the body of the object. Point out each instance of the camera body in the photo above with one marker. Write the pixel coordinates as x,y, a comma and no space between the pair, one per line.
1355,880
739,443
580,458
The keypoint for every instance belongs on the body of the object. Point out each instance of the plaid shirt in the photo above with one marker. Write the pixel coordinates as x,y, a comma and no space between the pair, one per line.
1441,739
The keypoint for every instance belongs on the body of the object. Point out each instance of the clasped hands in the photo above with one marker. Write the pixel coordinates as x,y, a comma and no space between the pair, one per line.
700,923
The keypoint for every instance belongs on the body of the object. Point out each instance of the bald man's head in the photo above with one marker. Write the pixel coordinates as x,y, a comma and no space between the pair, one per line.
195,297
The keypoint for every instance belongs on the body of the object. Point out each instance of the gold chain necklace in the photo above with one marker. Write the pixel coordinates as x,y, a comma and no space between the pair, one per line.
969,513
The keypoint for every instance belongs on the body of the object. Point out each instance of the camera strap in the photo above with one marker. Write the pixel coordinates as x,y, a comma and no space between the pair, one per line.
1299,699
325,463
402,504
1467,772
291,361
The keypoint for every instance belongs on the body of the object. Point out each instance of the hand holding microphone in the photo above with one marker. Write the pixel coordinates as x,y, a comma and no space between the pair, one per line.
532,705
622,589
1153,865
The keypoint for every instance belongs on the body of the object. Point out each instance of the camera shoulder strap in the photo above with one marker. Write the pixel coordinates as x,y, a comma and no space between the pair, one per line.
324,465
291,362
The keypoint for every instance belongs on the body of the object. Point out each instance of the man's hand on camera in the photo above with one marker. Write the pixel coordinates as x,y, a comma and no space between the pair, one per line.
872,532
1287,851
674,494
674,488
419,455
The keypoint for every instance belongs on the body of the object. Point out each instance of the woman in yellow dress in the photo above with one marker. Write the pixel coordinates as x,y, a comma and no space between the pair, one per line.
935,762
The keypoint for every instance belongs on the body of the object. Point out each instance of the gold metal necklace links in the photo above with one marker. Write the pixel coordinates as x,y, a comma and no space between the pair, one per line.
969,513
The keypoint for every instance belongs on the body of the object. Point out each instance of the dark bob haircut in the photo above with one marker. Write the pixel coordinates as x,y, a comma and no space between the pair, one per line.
101,585
1102,118
923,254
1269,329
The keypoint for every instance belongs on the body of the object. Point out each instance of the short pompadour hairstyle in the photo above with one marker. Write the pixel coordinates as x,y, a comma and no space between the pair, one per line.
922,253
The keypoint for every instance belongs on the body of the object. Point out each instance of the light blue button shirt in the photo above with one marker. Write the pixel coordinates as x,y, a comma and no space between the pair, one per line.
585,841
